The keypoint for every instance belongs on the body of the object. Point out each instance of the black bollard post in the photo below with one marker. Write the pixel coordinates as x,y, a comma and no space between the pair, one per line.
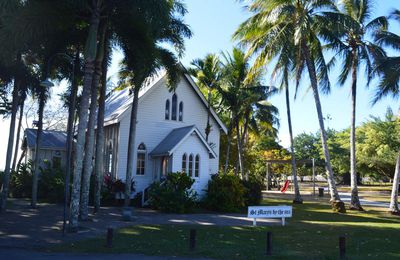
342,247
192,239
269,243
110,235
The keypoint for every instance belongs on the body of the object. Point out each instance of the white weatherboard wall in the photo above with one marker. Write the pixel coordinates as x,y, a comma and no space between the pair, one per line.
152,127
193,145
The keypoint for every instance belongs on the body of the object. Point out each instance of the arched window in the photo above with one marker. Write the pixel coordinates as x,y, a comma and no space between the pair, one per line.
190,171
197,166
167,109
141,159
174,104
181,111
184,163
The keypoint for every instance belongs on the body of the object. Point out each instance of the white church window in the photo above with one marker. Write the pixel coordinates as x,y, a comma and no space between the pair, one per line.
174,107
197,166
167,109
181,111
190,170
184,163
141,159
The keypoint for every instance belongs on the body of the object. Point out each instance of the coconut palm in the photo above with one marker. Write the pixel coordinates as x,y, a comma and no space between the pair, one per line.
144,57
284,68
348,39
247,101
389,84
208,75
278,23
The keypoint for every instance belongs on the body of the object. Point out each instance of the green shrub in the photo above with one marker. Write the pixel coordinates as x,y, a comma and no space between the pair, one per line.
253,192
51,183
225,193
21,181
174,194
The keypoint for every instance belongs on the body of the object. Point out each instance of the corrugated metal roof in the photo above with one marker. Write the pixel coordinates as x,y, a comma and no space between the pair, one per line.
172,140
50,139
119,101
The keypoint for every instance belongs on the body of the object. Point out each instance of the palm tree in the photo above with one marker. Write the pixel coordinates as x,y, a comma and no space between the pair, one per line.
208,75
277,23
247,101
99,158
349,40
389,70
90,134
144,57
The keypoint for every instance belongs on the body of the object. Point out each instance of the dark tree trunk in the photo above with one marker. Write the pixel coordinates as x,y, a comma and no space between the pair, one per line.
99,163
21,115
355,201
229,137
36,164
70,124
7,169
89,147
297,196
90,57
131,146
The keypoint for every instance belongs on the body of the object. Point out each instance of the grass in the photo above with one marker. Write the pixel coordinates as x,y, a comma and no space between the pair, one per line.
312,233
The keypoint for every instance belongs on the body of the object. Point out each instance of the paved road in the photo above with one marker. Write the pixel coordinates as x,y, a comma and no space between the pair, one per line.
32,255
25,228
346,197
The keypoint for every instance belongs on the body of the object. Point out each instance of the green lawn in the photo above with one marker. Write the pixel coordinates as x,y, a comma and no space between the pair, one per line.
312,233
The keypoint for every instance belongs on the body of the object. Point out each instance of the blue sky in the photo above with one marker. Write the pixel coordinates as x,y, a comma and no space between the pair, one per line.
213,23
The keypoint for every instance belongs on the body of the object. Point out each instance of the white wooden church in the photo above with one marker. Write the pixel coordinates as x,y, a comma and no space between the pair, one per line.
170,133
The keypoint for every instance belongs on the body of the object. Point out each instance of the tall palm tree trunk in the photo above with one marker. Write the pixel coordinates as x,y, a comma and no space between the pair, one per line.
355,201
19,127
7,169
131,146
394,205
240,150
70,125
39,131
99,162
229,141
297,197
90,56
89,146
90,134
337,204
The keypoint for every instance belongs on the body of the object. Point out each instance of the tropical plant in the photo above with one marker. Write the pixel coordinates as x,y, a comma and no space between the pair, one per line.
299,24
174,194
247,101
225,193
144,57
207,71
348,38
389,69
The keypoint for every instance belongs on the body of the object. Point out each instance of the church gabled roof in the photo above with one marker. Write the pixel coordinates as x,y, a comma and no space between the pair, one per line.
168,145
120,101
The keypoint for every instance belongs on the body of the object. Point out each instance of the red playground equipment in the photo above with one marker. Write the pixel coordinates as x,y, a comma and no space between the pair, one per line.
285,186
